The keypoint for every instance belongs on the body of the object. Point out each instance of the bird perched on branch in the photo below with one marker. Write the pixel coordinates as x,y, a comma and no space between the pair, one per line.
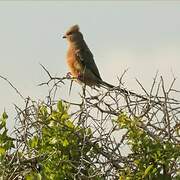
80,60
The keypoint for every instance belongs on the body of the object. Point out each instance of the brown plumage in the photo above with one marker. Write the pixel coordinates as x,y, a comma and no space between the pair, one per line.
80,59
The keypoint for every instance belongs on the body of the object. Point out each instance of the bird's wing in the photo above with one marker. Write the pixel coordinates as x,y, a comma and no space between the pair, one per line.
85,57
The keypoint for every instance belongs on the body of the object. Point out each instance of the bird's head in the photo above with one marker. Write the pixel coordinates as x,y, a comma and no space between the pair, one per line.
73,34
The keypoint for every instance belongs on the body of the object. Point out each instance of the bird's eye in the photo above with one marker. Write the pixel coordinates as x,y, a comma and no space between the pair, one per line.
69,33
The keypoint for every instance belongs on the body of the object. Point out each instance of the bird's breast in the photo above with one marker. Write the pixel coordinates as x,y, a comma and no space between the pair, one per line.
74,66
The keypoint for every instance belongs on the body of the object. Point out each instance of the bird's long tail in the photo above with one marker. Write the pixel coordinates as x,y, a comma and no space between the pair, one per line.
106,85
110,86
124,91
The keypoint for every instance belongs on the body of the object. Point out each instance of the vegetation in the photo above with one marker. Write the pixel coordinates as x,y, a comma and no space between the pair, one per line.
110,135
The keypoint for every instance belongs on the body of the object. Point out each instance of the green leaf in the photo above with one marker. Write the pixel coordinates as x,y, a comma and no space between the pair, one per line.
65,116
136,162
4,115
154,170
148,169
65,143
43,111
33,142
2,151
33,176
69,124
3,120
53,141
9,143
60,106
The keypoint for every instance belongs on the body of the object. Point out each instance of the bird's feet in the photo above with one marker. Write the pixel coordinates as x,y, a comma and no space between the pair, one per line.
69,75
79,77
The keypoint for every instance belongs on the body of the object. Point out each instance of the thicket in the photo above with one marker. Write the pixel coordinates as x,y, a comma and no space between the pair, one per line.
110,134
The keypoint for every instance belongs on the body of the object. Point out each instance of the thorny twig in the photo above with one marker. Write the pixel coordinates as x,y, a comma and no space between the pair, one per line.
158,111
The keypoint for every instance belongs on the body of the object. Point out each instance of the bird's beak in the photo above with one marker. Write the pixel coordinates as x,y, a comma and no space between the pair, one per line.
64,37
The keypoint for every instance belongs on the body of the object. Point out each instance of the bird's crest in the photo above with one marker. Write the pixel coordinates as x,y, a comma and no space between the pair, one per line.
72,29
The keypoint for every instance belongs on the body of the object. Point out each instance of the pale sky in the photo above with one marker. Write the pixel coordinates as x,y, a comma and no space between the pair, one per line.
141,36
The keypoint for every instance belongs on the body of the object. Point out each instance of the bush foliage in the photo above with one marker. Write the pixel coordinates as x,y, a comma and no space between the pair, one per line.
51,140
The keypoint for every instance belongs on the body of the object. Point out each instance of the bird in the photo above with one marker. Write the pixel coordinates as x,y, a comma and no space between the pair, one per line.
81,63
80,60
